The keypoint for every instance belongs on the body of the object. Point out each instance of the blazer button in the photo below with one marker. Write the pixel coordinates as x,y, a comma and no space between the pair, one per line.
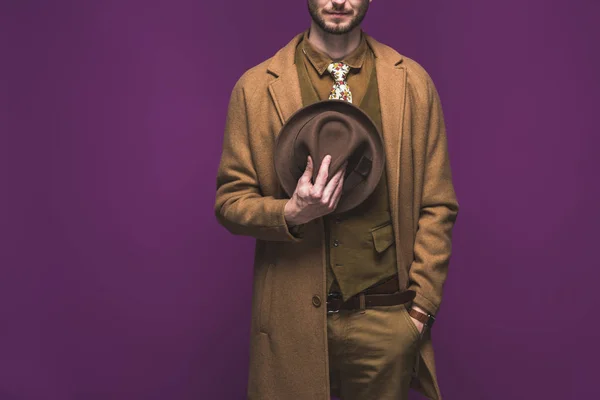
316,300
336,243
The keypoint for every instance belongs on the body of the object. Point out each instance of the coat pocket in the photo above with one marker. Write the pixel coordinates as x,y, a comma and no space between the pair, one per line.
383,236
265,300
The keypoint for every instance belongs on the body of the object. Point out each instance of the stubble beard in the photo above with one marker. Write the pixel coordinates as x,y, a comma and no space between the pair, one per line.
337,29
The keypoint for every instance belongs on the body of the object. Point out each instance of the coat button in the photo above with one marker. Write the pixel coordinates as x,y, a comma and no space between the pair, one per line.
336,243
316,300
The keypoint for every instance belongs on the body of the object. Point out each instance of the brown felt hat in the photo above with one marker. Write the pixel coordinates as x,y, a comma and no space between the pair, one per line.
337,128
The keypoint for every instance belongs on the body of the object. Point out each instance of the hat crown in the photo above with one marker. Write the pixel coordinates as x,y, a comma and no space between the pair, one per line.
326,134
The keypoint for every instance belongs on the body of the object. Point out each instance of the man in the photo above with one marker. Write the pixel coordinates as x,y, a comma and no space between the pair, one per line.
307,257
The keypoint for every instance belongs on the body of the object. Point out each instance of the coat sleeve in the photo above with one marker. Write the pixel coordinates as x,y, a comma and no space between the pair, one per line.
239,205
437,214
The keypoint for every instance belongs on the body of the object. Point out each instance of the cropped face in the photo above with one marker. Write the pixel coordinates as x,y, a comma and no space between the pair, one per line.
338,16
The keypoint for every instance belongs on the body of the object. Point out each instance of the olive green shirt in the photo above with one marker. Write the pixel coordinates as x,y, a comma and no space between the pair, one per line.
360,60
360,242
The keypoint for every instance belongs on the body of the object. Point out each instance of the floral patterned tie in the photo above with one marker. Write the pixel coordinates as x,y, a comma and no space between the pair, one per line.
340,90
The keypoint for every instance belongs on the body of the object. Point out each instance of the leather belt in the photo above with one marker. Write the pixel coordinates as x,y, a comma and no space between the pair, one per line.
384,294
370,300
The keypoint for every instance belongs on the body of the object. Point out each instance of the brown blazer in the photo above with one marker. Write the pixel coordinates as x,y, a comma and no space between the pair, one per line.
288,343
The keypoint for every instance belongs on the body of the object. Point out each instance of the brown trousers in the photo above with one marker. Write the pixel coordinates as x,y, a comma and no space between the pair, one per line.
372,353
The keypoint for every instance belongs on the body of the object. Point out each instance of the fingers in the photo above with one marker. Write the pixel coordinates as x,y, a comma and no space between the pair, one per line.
321,179
332,184
304,185
307,171
337,194
323,194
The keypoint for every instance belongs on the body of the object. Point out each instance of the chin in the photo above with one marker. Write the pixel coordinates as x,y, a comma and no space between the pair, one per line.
334,27
337,29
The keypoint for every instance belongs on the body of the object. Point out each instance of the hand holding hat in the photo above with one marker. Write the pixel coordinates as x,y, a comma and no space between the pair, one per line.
310,201
342,134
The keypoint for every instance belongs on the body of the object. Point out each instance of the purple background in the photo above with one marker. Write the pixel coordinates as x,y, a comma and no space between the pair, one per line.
116,281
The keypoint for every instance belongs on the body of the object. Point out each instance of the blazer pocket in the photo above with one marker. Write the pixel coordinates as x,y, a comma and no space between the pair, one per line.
383,237
265,300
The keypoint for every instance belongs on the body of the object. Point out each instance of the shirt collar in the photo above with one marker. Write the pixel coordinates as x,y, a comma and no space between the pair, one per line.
321,60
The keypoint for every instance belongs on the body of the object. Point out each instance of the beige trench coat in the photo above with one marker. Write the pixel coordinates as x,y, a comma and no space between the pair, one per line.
288,344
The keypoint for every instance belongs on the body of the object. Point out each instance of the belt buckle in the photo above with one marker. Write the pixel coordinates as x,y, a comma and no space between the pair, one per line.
334,295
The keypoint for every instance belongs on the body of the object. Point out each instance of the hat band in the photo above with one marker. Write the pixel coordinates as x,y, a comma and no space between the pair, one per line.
359,174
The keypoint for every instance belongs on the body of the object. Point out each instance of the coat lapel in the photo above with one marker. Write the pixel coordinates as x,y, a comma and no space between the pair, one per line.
285,89
391,77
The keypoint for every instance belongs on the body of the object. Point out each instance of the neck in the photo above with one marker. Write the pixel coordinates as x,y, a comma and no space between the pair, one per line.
335,46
